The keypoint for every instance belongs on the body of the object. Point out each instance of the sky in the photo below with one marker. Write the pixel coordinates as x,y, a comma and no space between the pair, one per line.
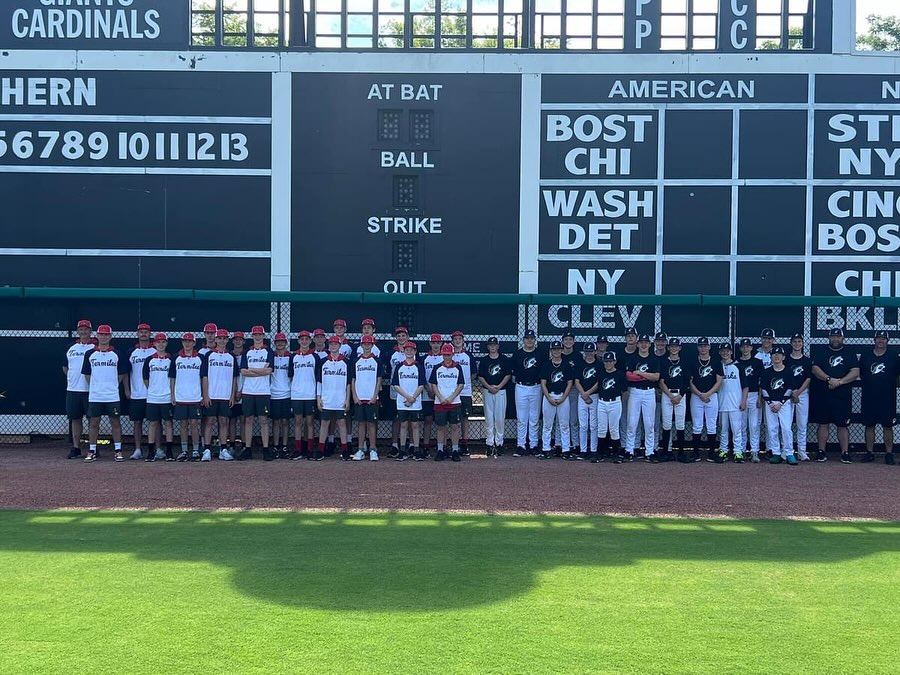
866,7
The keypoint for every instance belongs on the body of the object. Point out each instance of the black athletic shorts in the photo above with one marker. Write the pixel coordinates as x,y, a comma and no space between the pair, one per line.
879,408
77,405
332,415
237,410
217,408
444,417
160,412
466,407
104,409
256,406
409,416
832,407
188,411
366,412
280,408
427,408
137,409
305,408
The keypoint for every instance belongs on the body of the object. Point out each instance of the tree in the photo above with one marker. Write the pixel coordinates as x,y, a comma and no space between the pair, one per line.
234,27
883,34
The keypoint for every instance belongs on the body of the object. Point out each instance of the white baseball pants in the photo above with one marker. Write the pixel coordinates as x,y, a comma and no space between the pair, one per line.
801,414
671,410
780,421
587,424
704,412
528,412
752,417
494,416
609,416
731,422
552,413
641,408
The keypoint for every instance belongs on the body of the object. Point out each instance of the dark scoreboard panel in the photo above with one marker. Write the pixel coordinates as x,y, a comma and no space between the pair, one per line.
405,184
727,184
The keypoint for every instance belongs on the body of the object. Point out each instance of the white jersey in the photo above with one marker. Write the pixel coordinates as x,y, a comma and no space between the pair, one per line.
219,369
136,358
75,362
303,383
765,357
445,380
397,357
430,362
282,370
185,370
156,372
467,365
731,391
346,350
365,373
376,352
331,383
257,358
104,368
409,377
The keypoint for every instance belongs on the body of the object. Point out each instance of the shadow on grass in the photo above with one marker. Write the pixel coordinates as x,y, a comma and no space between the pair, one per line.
412,562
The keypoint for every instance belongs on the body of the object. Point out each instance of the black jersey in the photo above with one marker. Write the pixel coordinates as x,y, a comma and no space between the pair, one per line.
642,364
801,369
777,385
588,373
612,385
703,374
526,367
557,376
676,375
494,370
836,363
751,369
879,373
574,360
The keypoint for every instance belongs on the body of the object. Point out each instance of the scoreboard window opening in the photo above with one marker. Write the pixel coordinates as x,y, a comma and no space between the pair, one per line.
421,125
784,24
406,192
406,256
389,125
239,23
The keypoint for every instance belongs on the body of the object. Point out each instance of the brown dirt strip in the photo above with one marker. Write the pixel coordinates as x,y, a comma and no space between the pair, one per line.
39,477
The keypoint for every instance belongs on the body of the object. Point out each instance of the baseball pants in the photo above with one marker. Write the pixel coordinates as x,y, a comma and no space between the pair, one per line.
641,407
587,424
553,413
609,415
780,421
752,421
494,417
528,412
801,414
704,412
574,418
670,411
731,422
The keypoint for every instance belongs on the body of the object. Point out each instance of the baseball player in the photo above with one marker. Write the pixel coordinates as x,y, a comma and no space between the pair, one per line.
732,397
706,378
878,370
333,397
209,339
494,373
159,399
235,428
613,390
280,403
556,382
831,402
751,370
136,392
430,361
319,343
661,352
642,374
573,359
775,388
467,364
365,375
320,348
103,371
587,384
408,382
674,384
800,366
764,353
257,365
340,329
368,328
77,386
447,382
303,396
602,343
187,394
396,357
629,350
219,372
527,366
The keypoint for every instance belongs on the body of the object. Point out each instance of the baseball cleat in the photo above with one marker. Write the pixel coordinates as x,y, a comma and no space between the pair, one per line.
358,456
207,456
137,455
440,456
821,456
739,458
182,457
867,457
846,458
92,457
74,453
775,459
118,457
225,456
889,458
792,460
373,456
455,456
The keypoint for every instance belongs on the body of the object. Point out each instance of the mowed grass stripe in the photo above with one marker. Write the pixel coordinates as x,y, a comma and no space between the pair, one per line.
378,593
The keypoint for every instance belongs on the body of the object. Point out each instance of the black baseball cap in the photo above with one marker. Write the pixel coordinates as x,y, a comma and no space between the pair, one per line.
493,341
746,341
836,331
603,338
661,336
556,344
882,334
644,338
609,356
768,333
528,333
778,350
796,336
725,345
568,334
630,331
674,341
589,347
703,341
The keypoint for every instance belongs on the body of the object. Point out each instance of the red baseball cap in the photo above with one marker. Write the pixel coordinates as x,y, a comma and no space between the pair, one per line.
257,330
160,337
401,329
187,336
437,337
143,326
280,336
458,333
318,331
104,329
446,350
340,322
368,322
334,338
210,328
84,323
409,345
238,334
368,339
303,333
221,332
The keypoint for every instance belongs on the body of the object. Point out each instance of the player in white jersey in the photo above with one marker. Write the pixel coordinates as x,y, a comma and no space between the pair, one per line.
135,391
368,328
467,365
76,385
429,361
340,330
187,394
391,361
219,377
209,339
303,396
447,383
104,370
408,382
732,401
333,397
237,410
159,399
320,345
365,375
280,406
257,365
764,353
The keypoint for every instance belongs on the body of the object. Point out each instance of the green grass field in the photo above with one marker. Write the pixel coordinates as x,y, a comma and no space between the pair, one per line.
104,592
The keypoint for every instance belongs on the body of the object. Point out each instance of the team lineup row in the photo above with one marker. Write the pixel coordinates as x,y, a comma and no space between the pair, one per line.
596,398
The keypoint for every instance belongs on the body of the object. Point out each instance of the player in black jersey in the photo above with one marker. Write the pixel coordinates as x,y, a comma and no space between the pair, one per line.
612,392
800,366
751,368
878,370
674,385
526,366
